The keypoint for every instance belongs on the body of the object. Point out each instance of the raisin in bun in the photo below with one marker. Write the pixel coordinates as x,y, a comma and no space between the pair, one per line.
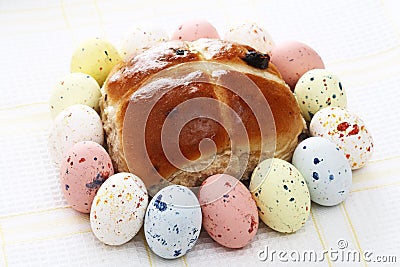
228,107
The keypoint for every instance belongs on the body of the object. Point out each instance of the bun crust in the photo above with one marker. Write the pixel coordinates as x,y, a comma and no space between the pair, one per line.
174,73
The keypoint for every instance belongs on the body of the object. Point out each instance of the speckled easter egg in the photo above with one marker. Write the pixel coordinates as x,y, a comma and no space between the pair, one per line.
141,39
192,30
230,214
172,222
75,88
251,34
325,169
347,131
83,170
95,57
317,89
293,59
281,195
74,124
118,209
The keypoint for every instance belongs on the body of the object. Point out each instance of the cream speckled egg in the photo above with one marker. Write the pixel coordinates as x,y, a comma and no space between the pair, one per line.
172,222
281,195
317,89
118,209
251,34
141,39
74,124
95,57
347,131
75,88
325,169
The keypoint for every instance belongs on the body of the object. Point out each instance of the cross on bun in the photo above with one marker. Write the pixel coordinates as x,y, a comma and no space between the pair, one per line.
183,111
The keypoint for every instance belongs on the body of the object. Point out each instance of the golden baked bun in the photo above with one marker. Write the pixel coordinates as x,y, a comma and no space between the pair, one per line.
183,111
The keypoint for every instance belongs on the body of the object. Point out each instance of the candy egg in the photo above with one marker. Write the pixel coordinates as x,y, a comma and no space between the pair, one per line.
118,209
83,170
347,131
75,88
318,89
293,59
95,57
281,195
195,29
172,222
139,40
252,35
74,124
325,169
230,214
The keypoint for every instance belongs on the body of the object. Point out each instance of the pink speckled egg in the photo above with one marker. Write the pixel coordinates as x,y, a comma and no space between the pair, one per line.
293,59
83,170
230,214
195,29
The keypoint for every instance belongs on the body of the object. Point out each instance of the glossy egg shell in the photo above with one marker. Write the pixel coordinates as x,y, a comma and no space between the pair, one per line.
251,34
172,222
318,89
95,57
194,29
83,170
229,212
74,124
325,169
293,59
347,131
118,209
75,88
281,194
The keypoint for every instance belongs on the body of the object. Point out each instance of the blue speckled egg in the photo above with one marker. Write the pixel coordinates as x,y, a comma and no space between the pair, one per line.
172,222
326,170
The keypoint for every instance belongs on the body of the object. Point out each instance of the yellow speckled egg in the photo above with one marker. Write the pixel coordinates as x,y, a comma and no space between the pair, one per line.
95,57
281,195
317,89
75,88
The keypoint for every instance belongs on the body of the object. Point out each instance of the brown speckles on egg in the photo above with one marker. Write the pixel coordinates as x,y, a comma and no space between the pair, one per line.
228,211
113,221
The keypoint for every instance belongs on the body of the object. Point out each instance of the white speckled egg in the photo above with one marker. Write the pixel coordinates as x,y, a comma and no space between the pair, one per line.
251,34
95,57
347,131
281,195
172,222
118,209
75,88
141,39
317,89
74,124
325,169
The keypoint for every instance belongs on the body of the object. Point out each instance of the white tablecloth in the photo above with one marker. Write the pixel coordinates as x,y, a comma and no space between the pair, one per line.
358,40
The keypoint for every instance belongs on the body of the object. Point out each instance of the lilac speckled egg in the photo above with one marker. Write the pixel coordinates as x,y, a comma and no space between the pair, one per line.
83,170
347,131
172,222
230,214
118,209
